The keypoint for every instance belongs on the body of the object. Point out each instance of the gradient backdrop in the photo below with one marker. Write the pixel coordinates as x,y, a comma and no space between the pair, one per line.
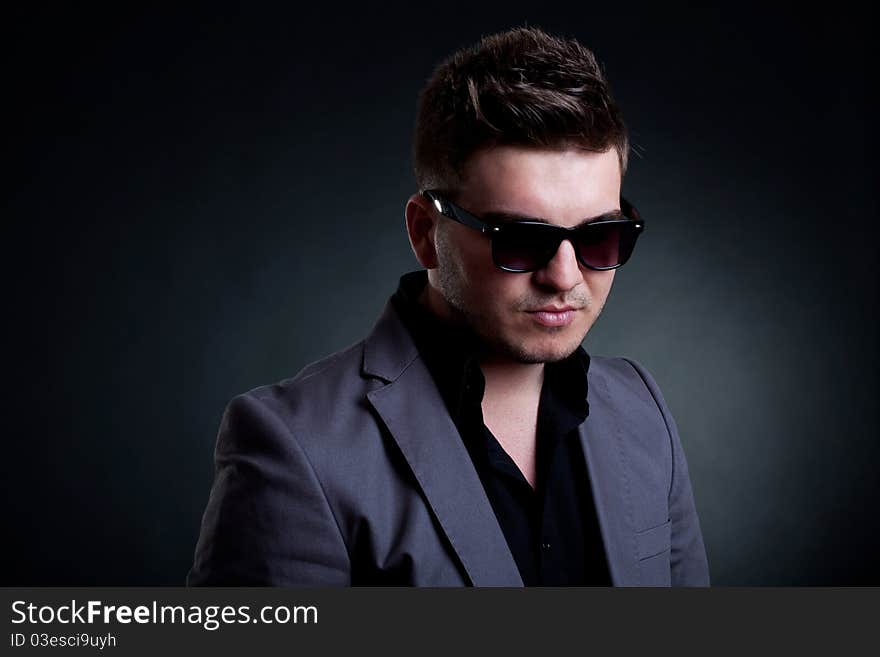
203,203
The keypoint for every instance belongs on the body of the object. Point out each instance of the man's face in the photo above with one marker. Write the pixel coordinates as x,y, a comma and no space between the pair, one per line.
564,187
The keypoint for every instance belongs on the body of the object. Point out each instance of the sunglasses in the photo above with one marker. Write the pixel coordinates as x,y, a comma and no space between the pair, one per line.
524,246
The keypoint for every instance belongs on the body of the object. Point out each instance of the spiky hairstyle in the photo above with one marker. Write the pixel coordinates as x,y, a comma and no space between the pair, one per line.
519,87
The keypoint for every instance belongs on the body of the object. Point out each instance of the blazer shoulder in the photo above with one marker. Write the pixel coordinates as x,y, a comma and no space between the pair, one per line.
624,389
317,379
325,404
339,361
624,379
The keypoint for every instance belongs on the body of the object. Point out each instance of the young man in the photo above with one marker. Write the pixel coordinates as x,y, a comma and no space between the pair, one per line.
470,439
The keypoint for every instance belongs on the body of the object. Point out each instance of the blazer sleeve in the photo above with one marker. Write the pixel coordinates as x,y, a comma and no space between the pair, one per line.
267,521
688,562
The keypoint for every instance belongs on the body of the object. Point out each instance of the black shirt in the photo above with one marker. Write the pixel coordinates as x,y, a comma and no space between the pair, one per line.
552,529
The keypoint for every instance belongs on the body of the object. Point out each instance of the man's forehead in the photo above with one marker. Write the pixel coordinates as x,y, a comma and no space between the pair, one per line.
563,185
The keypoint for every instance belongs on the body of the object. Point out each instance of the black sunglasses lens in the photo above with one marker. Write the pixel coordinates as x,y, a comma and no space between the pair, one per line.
529,247
523,248
606,245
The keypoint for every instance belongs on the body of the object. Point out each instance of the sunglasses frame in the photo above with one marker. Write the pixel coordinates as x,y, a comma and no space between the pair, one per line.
462,216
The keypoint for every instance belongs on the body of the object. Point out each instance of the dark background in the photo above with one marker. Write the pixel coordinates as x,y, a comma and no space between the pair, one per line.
201,203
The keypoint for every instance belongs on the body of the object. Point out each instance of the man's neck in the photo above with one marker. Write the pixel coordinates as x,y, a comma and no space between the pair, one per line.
510,380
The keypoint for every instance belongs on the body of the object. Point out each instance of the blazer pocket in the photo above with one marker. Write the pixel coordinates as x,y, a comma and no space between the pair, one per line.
654,541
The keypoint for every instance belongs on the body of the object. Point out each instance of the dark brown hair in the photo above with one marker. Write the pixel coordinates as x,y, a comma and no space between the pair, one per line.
520,87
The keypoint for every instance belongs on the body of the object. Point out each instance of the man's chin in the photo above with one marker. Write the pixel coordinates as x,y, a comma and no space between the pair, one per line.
540,353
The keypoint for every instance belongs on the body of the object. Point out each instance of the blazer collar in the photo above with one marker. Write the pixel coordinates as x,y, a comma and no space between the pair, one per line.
415,415
388,348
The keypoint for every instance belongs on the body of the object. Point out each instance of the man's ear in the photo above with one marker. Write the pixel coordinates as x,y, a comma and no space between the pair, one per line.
421,224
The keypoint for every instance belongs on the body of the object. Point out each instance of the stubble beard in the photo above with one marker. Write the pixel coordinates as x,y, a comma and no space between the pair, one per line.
452,288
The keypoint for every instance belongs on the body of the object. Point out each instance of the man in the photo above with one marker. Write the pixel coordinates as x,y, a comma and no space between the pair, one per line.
470,439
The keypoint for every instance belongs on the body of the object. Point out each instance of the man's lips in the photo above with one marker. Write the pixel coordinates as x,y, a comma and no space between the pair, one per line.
554,315
552,309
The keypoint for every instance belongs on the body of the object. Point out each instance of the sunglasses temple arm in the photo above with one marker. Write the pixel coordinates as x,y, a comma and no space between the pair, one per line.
464,217
454,212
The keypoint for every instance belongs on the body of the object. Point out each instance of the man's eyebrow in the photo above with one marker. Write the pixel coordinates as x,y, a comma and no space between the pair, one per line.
507,217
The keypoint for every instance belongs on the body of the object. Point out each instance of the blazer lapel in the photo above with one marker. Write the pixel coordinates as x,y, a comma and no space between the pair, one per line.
602,443
414,413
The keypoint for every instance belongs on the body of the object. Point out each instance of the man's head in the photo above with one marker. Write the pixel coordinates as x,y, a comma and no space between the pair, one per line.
521,124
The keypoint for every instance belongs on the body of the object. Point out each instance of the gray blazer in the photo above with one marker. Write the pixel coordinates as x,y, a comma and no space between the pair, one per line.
353,473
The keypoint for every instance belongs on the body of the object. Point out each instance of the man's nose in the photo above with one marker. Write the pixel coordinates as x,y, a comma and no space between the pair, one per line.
563,272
